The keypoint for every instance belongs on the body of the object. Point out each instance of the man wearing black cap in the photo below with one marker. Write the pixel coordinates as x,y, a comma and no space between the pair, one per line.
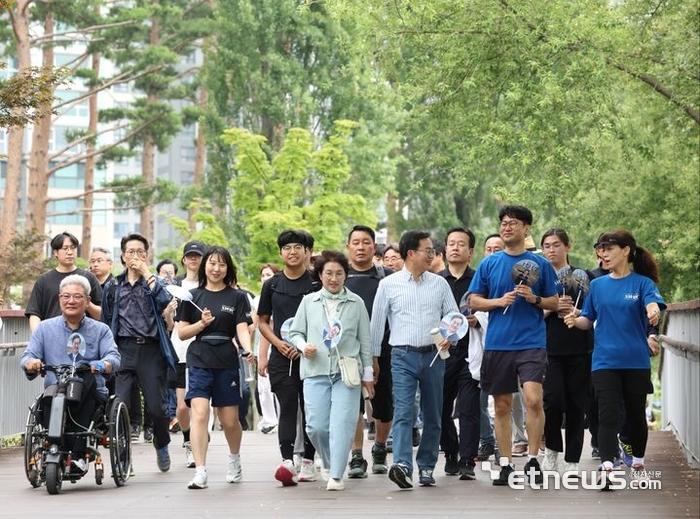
281,296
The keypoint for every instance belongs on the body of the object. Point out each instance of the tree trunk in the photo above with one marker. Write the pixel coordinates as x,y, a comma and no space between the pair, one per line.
90,161
199,157
147,168
15,143
38,157
149,154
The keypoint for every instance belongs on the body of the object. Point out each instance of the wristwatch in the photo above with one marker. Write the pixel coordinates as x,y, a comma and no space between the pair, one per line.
538,300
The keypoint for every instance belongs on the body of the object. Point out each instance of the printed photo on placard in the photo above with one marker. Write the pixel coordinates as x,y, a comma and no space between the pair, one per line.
76,346
332,333
284,329
464,304
525,272
454,326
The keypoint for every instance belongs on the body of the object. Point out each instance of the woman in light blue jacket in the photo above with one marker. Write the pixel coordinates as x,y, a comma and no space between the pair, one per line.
329,325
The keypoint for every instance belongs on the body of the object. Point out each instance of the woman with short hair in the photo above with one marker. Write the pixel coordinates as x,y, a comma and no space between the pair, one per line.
331,404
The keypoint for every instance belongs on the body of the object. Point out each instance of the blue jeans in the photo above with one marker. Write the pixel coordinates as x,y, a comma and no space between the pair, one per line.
410,370
486,436
331,418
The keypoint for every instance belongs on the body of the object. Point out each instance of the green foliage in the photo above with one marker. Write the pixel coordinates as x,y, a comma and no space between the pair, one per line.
132,193
282,66
208,229
587,112
27,96
300,187
20,261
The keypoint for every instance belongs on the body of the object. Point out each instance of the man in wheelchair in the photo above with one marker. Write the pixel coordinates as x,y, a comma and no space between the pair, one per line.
74,339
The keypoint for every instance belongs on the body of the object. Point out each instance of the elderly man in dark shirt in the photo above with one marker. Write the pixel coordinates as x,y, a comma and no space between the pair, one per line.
133,304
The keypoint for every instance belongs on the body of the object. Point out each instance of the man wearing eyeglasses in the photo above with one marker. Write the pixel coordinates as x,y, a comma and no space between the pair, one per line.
43,301
414,302
133,304
101,265
280,297
514,348
51,344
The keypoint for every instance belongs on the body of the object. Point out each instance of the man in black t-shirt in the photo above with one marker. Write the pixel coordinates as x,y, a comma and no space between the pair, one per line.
363,279
461,447
280,298
43,302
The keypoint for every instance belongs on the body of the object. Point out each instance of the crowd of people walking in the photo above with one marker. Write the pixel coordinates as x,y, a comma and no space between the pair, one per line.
386,336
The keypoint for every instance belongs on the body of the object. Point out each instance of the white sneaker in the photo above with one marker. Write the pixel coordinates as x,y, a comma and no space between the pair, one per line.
235,472
549,462
199,481
325,474
297,462
572,467
286,473
335,484
188,454
308,471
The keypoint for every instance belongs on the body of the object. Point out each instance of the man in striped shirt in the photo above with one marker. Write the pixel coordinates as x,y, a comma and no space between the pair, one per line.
414,301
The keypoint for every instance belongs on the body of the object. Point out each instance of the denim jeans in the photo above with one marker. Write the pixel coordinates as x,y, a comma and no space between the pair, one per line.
410,370
331,418
486,436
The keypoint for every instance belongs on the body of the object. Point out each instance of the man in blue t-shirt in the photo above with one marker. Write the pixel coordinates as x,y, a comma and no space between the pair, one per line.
515,286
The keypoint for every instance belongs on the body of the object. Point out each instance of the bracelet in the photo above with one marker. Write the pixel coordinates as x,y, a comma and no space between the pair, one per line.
152,277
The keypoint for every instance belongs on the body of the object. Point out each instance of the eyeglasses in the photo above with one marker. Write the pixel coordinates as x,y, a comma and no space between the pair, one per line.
68,248
429,251
553,246
136,252
71,297
296,247
509,224
330,275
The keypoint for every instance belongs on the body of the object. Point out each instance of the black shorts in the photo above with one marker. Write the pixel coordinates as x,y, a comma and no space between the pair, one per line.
501,369
383,403
177,379
221,386
623,381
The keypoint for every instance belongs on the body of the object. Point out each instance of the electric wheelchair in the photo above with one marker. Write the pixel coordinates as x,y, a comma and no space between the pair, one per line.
52,431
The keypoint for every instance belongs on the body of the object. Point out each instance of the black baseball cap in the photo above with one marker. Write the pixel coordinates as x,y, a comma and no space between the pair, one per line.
193,247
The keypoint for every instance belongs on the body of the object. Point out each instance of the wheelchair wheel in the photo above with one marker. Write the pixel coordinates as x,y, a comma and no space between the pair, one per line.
54,478
34,446
119,441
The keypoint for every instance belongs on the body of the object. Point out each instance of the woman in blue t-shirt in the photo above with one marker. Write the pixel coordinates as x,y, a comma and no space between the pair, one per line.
621,303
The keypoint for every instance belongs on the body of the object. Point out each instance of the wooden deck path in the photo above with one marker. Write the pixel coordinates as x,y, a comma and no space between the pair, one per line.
155,495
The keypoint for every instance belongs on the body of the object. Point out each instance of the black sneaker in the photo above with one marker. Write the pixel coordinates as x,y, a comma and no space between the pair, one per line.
426,478
135,431
416,436
502,480
533,472
595,453
379,459
603,481
390,445
451,464
147,434
399,475
486,450
466,470
358,467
